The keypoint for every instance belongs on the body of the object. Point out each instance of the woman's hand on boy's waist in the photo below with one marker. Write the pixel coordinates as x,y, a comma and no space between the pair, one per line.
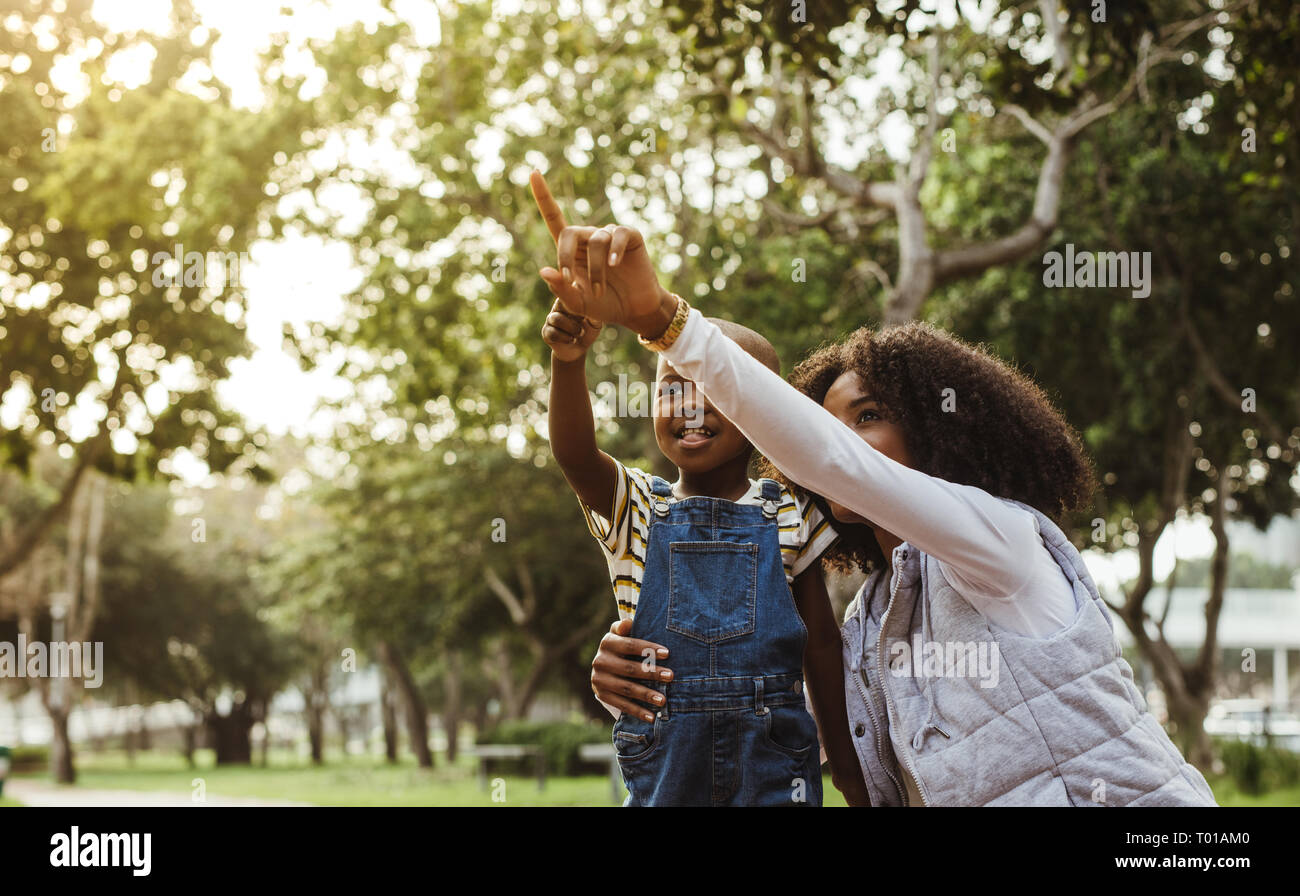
614,676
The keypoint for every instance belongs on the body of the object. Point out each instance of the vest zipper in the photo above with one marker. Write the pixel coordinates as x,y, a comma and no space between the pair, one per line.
864,687
880,750
889,704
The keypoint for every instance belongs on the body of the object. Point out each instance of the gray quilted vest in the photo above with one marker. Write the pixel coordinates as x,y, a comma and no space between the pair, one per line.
983,716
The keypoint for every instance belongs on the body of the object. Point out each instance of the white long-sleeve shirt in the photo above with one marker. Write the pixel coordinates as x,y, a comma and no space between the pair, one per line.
988,550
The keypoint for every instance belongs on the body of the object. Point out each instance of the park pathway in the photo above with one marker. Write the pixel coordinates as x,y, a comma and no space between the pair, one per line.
40,793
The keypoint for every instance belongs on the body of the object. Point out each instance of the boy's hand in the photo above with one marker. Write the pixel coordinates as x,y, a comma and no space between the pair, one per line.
605,274
569,335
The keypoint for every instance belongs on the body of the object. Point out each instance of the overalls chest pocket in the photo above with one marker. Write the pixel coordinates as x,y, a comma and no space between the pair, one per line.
712,589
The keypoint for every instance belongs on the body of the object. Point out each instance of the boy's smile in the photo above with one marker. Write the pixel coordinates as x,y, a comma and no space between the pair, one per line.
711,454
690,433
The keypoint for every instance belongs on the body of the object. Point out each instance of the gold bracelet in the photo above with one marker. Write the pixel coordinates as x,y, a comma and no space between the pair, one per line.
675,327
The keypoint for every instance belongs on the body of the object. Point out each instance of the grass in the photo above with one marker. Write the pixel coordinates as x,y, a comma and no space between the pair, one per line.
344,781
1227,794
367,781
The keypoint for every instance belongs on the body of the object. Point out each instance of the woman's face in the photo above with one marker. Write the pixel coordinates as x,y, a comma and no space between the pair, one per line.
849,398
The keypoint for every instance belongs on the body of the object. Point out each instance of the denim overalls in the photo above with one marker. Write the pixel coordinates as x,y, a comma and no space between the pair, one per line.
734,730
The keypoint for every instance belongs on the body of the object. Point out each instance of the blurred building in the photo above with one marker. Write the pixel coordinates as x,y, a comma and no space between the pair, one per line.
1259,629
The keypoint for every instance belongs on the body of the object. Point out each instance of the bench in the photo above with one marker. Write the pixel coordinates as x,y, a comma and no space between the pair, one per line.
606,753
488,752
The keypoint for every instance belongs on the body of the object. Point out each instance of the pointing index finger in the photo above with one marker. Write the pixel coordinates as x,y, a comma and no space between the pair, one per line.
546,204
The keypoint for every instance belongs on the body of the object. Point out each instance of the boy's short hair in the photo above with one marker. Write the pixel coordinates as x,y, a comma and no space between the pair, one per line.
753,343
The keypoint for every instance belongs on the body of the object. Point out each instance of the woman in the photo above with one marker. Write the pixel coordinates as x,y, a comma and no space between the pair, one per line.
981,665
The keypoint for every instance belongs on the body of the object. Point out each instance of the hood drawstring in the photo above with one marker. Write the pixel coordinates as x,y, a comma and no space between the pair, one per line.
855,661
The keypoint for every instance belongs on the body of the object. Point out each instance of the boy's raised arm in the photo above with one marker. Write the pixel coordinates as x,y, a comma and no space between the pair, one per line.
591,472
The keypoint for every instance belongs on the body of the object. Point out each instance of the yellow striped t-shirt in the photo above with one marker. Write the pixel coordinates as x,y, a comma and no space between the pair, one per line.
804,533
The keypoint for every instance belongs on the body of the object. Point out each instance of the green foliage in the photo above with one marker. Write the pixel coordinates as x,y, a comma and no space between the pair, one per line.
96,189
444,437
29,758
1124,369
560,743
184,619
1259,769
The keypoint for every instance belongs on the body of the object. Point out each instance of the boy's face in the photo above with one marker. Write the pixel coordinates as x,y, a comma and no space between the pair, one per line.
690,432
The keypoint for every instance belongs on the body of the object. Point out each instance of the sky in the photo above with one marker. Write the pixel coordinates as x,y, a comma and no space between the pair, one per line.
298,281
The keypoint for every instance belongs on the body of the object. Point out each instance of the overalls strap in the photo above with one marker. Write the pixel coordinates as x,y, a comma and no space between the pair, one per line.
662,490
771,496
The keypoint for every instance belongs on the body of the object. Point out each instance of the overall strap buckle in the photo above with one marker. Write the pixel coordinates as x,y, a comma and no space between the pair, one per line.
771,497
662,490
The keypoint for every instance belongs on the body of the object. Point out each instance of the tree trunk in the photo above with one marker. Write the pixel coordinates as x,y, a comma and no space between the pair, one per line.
61,765
316,734
417,716
316,701
128,744
1189,732
190,733
258,711
546,657
72,613
1188,687
452,709
388,713
231,735
1202,675
510,708
344,720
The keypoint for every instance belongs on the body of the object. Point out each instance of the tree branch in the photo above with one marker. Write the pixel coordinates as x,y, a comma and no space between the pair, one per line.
1029,122
17,553
962,262
919,165
1218,382
516,610
1051,13
1208,656
791,219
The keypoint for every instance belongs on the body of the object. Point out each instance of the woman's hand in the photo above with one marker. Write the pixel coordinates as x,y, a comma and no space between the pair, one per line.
853,790
605,273
569,335
614,677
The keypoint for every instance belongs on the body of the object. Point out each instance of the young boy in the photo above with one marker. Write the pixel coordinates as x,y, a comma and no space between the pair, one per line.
705,566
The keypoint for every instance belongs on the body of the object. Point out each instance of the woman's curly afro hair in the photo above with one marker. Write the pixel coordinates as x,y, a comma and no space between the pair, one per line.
966,417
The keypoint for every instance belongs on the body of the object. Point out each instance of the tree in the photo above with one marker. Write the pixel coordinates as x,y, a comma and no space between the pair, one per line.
95,311
1186,396
987,69
446,319
68,583
183,617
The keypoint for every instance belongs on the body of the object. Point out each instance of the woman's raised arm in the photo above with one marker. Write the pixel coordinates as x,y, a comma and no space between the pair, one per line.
965,527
